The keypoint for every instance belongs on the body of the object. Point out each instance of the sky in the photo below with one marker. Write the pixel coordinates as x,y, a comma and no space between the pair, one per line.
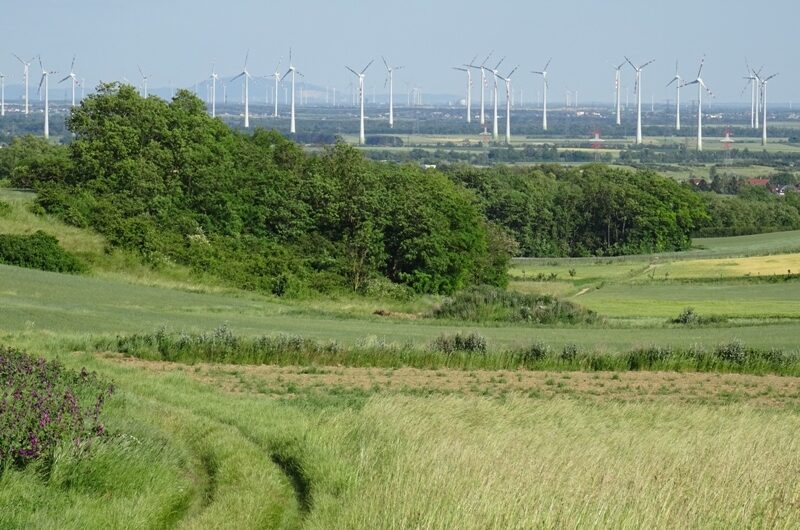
176,41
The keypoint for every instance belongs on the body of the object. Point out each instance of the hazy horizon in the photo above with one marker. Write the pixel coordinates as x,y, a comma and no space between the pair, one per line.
176,44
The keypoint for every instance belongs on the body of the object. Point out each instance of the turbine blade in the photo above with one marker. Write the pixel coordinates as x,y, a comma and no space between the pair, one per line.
17,56
548,64
673,80
647,63
72,66
770,77
501,62
630,63
385,63
354,72
65,79
40,82
512,72
140,71
238,76
702,62
368,65
487,59
40,63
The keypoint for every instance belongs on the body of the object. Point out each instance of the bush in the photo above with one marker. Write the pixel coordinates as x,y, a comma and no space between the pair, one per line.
5,208
43,405
37,251
489,304
535,352
468,343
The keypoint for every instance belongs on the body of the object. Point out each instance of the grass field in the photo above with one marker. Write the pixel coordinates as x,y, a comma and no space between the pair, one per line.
200,445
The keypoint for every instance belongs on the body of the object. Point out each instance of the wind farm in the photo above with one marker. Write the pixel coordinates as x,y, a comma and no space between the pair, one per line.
425,265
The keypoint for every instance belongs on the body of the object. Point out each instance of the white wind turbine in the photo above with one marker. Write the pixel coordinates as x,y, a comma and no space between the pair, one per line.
45,79
390,79
700,87
638,90
214,77
507,80
2,94
495,75
73,77
360,76
246,76
482,68
145,79
277,76
294,71
545,84
618,91
764,105
25,71
677,80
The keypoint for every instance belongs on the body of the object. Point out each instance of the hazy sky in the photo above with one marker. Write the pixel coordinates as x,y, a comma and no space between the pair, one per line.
177,40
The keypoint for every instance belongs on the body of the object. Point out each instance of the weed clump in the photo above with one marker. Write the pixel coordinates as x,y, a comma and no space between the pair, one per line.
44,406
689,317
467,343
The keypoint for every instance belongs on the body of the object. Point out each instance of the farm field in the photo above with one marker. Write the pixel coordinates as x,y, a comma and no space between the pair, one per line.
339,445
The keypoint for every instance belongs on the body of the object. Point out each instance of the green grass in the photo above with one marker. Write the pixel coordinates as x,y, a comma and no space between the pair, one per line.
204,457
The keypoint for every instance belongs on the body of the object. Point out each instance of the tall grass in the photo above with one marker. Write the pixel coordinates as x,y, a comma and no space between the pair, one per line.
462,351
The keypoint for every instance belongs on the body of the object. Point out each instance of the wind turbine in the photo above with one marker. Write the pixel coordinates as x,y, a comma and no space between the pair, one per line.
73,77
618,89
390,79
2,95
214,77
507,80
638,90
145,78
495,75
764,104
246,76
26,67
677,80
277,76
292,70
360,76
45,79
482,68
700,87
543,73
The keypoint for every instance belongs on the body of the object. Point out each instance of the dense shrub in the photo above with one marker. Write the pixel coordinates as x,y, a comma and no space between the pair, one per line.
37,251
43,405
489,304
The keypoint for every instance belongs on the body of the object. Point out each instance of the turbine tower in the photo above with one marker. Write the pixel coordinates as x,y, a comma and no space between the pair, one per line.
390,79
764,104
677,80
469,90
25,71
2,95
638,90
700,87
247,77
145,79
277,76
618,91
482,68
495,75
507,80
360,76
45,79
545,84
73,77
214,77
292,70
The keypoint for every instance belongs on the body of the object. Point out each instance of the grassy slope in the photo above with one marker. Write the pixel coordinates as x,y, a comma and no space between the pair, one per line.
224,447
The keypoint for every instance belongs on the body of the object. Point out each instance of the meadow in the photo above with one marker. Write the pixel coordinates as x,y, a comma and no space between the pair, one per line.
309,444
